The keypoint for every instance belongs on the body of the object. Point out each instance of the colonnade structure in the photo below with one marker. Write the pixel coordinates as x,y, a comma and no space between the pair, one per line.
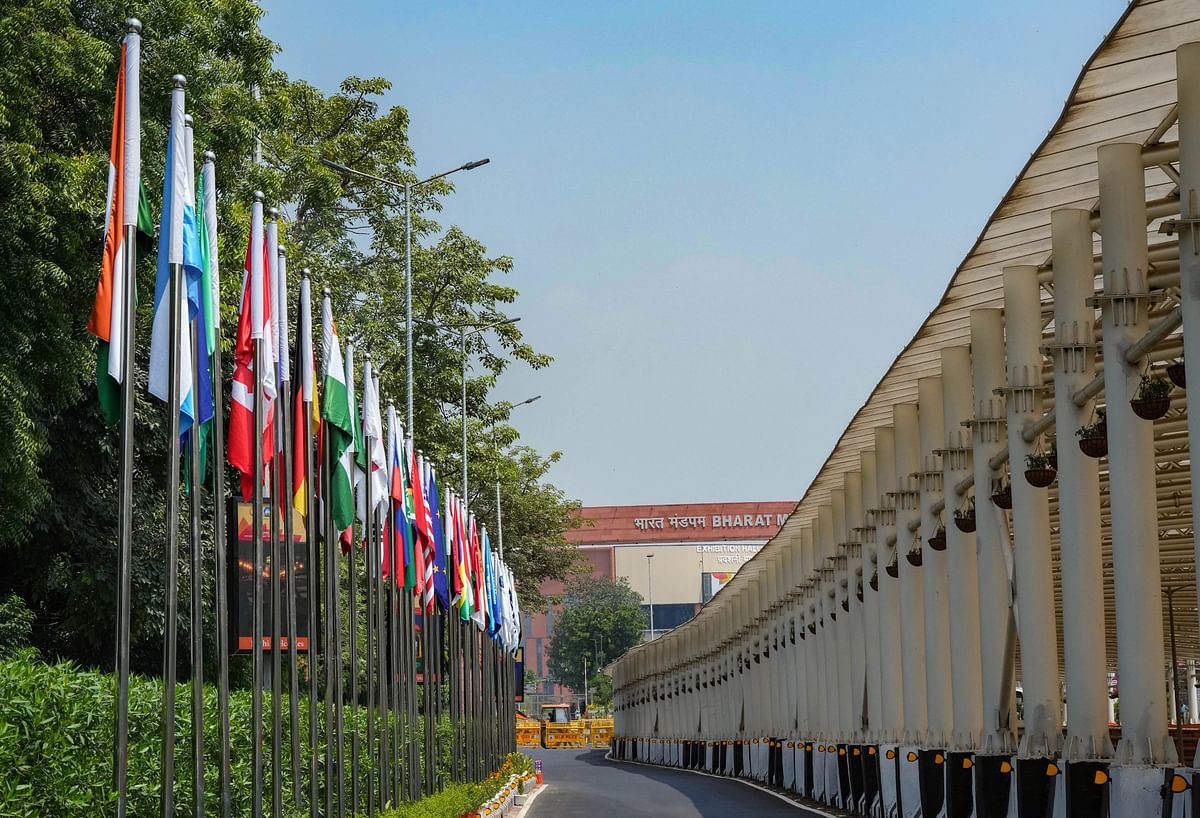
967,613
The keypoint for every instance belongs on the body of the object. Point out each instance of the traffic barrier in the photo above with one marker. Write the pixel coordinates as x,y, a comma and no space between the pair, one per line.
570,735
529,734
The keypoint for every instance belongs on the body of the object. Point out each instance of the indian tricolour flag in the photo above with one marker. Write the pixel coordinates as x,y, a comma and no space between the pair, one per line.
126,207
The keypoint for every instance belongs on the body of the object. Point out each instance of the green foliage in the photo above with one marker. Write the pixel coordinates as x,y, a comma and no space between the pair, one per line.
56,738
58,467
458,799
1153,388
16,624
1097,428
600,620
1038,460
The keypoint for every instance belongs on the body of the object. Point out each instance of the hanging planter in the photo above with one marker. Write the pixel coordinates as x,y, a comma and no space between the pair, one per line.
1052,455
938,541
859,592
1178,374
875,581
1153,399
1093,438
1038,471
914,555
846,604
1002,496
964,518
893,567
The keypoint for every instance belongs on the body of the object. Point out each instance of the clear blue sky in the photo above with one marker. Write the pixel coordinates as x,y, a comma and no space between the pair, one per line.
727,218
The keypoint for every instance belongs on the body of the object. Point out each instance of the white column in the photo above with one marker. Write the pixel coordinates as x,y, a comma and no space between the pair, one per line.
935,572
870,493
966,669
1191,691
1031,519
997,630
1131,480
842,634
1187,59
856,625
912,602
1082,571
825,632
891,672
813,674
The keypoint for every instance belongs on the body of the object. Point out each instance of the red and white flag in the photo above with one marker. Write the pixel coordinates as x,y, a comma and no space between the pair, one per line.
253,321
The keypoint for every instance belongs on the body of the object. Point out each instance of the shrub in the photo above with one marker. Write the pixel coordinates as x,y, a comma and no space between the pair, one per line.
56,739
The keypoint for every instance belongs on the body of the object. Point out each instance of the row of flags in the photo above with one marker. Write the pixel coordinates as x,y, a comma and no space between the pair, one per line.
433,546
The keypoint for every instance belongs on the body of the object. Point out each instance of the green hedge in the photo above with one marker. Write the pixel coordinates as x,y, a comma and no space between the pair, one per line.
459,799
56,735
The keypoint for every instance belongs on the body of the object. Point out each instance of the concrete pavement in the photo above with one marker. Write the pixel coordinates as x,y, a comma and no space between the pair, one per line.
582,784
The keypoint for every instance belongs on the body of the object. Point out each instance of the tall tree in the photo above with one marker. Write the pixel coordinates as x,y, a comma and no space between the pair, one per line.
58,469
600,620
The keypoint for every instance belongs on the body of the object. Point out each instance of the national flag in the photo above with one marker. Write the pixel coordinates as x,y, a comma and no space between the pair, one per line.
210,288
479,611
423,527
302,382
198,299
178,245
255,307
338,428
412,577
373,459
440,540
393,557
125,206
356,445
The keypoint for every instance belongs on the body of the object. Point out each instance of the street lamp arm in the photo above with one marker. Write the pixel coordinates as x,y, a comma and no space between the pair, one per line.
340,168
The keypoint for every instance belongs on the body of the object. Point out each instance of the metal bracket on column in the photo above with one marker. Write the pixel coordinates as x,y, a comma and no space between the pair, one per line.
1120,303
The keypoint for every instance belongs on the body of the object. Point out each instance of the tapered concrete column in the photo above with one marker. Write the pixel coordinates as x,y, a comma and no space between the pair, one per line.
809,654
1131,485
997,628
935,571
891,672
1031,518
1187,59
825,629
842,633
1191,691
1082,570
912,600
966,673
856,626
870,493
788,665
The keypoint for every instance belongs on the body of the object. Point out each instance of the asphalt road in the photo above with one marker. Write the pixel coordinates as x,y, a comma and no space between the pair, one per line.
582,784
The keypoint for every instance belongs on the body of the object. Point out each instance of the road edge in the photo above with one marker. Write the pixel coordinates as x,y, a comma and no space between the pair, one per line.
797,804
529,801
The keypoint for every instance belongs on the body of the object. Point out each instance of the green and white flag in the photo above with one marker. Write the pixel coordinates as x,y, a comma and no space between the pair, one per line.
339,424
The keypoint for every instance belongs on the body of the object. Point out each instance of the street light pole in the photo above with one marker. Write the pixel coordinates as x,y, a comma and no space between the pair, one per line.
650,594
408,311
499,511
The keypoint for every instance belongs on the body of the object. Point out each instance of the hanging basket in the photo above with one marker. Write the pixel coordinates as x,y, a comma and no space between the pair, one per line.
964,521
846,604
1040,478
859,592
893,569
938,541
1178,374
1003,498
812,627
1152,409
914,556
1094,445
875,581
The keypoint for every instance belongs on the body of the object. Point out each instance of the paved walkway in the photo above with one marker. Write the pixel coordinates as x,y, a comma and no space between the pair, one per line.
582,784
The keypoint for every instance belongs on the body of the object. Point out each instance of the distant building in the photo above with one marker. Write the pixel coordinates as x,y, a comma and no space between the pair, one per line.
696,548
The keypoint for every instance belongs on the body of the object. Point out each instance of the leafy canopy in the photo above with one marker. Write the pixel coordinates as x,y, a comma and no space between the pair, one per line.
600,620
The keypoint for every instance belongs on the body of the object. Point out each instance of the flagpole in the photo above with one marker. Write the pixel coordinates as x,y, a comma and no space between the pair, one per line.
395,661
369,625
272,231
197,587
329,641
171,567
132,121
310,539
287,505
256,509
383,700
219,532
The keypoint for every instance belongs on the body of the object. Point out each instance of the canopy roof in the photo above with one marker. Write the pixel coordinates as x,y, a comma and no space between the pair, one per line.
1125,93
